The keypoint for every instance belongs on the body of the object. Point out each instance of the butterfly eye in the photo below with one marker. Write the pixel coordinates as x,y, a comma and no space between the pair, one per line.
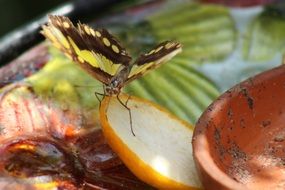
114,83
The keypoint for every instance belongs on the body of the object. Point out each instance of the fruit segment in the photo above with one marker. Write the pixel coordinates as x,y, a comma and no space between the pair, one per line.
159,152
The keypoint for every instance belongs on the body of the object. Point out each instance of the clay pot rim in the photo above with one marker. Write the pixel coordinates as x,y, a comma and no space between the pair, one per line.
204,162
200,146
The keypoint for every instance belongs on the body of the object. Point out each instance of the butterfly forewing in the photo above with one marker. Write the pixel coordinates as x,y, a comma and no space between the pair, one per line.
95,50
153,59
106,44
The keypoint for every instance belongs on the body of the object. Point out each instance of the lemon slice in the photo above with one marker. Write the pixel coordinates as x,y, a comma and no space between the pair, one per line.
160,153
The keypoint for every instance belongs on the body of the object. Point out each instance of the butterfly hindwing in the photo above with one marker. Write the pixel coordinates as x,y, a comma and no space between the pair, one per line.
153,59
97,51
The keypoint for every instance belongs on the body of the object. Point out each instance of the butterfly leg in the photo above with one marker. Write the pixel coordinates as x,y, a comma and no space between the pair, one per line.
129,97
129,110
97,94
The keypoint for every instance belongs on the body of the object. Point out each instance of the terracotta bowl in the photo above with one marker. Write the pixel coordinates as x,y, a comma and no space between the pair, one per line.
239,141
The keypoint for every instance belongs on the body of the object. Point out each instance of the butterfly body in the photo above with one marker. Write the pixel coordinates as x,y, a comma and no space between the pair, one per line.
101,55
117,81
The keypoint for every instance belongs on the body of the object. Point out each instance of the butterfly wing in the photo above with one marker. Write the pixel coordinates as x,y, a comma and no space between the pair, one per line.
153,59
96,51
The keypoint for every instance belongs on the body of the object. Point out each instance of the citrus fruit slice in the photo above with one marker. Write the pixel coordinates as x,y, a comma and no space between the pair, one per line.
159,152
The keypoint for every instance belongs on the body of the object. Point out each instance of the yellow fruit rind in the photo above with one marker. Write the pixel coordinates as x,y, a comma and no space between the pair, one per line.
141,169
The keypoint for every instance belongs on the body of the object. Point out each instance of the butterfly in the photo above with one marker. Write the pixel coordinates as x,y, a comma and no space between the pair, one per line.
101,55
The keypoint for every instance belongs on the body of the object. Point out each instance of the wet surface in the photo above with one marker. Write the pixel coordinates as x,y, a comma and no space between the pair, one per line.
46,146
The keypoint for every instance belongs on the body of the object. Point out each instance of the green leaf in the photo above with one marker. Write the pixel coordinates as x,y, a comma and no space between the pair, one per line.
179,87
265,38
206,32
63,81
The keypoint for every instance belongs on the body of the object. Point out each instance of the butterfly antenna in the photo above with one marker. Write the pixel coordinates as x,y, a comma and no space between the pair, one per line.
129,110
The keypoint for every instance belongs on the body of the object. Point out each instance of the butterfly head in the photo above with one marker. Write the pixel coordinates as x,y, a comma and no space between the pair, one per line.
114,87
118,81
